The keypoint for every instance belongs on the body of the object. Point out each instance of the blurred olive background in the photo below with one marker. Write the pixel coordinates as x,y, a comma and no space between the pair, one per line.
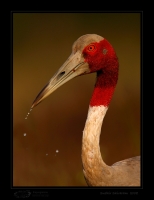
41,44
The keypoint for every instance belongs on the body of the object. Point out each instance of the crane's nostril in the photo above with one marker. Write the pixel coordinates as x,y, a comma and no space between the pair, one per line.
61,74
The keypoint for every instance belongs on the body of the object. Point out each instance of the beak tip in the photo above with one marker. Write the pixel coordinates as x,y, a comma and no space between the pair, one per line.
33,105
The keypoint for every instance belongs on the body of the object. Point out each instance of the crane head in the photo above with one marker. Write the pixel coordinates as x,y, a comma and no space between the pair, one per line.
89,54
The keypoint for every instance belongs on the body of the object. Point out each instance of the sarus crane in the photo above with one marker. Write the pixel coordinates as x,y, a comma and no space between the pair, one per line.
93,53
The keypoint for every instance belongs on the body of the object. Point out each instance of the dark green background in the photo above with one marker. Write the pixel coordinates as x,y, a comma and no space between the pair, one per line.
41,43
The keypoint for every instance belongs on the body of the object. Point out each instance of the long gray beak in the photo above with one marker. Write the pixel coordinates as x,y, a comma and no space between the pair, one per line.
74,66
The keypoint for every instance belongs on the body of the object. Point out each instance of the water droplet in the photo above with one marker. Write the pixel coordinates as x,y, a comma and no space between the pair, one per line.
28,113
57,151
25,134
46,154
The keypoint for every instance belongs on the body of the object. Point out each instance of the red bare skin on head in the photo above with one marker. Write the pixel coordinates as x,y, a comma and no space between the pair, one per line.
102,59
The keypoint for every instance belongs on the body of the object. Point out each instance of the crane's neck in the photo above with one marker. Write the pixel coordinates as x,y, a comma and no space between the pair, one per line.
93,165
95,170
104,87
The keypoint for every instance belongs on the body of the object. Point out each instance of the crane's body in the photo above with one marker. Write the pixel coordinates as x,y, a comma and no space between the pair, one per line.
120,173
92,53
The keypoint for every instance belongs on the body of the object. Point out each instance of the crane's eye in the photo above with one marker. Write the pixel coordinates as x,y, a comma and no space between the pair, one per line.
91,48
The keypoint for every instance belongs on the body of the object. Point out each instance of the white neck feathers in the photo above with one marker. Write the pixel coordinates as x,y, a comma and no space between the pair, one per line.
93,164
94,121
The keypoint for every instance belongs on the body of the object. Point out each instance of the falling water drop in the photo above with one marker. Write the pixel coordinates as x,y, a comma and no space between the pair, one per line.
56,152
28,113
25,134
